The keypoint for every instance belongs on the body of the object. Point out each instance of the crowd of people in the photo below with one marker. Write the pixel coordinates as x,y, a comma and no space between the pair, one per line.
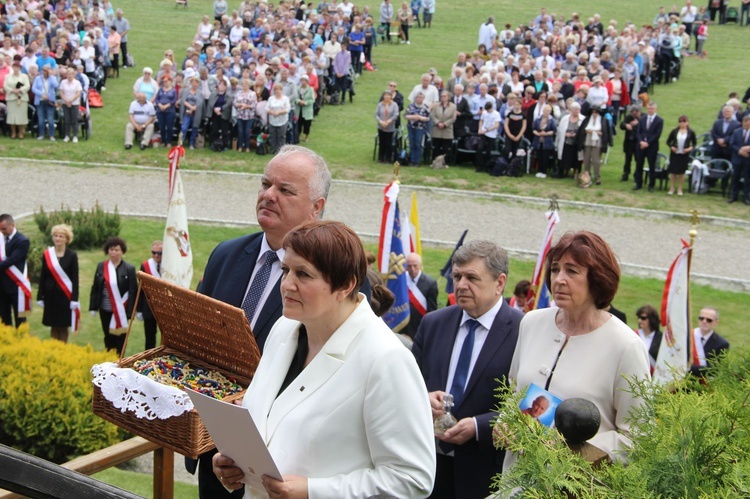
52,55
554,93
256,77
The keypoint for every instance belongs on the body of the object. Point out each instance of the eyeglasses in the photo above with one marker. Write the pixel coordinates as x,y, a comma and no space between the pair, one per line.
642,317
707,319
156,253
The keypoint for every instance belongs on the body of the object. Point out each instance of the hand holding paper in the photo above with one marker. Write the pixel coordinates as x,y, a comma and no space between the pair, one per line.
238,440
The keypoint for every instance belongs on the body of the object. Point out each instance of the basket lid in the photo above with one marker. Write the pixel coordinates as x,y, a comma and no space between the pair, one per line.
202,327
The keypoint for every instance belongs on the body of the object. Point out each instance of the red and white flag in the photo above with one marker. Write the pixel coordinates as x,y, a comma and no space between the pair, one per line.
177,256
21,279
675,350
66,284
538,295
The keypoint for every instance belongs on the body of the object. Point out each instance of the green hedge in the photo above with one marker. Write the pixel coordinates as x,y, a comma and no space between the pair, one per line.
90,228
45,397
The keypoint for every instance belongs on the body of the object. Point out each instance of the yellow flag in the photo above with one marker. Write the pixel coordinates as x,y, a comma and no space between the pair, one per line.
416,241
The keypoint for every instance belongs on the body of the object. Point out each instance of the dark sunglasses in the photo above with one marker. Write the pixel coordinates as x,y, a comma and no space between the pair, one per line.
642,317
707,319
156,252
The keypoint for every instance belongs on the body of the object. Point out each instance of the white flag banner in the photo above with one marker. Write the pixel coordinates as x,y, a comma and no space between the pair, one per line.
177,257
674,350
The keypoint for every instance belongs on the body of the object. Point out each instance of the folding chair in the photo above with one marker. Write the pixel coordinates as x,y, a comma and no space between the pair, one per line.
719,171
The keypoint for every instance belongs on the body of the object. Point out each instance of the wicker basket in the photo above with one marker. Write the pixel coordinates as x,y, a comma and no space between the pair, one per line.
198,329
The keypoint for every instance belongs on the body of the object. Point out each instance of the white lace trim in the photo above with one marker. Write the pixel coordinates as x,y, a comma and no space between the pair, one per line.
133,392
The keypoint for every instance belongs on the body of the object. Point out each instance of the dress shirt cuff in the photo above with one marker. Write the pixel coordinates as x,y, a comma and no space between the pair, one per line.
476,429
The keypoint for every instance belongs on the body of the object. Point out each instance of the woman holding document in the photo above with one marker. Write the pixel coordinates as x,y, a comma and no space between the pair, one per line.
338,400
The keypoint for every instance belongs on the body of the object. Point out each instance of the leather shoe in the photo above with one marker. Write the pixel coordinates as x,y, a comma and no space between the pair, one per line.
637,188
747,202
650,189
624,178
731,200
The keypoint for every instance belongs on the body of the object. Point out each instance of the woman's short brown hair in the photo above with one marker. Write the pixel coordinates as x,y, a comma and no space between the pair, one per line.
335,251
115,241
592,252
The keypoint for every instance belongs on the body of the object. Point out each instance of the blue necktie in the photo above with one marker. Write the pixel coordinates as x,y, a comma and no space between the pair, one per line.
464,361
250,303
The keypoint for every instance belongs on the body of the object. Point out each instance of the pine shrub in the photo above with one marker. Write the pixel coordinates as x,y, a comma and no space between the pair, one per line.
45,397
91,228
690,440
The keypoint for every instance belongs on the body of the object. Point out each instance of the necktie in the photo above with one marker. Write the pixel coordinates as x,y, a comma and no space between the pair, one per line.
464,361
252,298
744,140
158,268
648,125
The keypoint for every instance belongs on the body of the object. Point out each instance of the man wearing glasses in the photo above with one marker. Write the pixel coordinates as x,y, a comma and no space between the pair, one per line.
708,344
152,266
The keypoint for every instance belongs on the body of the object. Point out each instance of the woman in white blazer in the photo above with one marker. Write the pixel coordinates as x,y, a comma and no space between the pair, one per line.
339,401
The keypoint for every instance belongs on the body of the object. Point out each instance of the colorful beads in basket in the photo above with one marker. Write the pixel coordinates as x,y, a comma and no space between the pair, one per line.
173,371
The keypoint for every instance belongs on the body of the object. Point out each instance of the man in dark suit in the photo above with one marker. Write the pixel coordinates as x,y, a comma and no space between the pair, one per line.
463,112
423,293
461,350
152,266
647,134
246,271
740,145
707,340
13,263
630,142
721,133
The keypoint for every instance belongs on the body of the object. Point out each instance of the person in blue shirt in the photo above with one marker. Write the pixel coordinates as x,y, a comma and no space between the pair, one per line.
45,97
46,59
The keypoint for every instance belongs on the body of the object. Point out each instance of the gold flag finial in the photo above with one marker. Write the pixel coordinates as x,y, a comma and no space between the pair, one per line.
695,220
553,205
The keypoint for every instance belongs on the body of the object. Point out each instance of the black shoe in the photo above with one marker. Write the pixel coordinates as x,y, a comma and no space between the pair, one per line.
598,182
143,147
128,146
747,202
650,189
731,200
624,178
637,188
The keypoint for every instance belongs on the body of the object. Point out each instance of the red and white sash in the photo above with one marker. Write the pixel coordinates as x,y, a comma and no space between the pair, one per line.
63,280
22,281
151,267
119,323
416,298
700,353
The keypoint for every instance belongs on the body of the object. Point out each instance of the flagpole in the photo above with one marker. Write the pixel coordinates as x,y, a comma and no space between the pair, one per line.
695,220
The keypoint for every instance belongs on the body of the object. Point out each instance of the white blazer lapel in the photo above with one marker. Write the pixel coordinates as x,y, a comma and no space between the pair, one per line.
325,364
273,376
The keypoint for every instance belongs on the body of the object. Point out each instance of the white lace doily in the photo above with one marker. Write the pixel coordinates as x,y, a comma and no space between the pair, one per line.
133,392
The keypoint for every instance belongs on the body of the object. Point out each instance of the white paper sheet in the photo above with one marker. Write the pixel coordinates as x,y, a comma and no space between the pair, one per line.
236,436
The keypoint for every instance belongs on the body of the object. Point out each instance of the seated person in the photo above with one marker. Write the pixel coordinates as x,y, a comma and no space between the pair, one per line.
141,117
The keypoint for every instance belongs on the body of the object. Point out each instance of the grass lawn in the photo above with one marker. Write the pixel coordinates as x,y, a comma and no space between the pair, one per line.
143,484
345,134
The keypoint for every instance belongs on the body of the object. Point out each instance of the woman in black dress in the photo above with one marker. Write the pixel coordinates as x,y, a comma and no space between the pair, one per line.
58,284
681,141
114,311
